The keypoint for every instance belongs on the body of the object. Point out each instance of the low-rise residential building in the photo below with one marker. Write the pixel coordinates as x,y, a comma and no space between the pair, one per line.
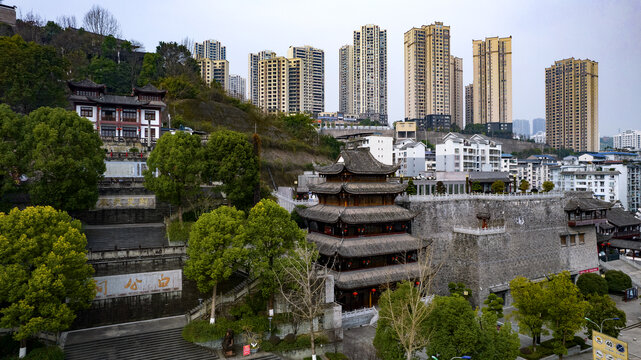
539,137
535,170
405,129
509,165
381,147
458,153
430,160
409,155
607,182
120,117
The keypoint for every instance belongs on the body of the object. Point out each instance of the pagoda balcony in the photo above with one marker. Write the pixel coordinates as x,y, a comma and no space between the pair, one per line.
587,222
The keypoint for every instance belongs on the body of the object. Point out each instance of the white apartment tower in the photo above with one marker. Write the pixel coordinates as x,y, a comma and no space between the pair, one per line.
253,73
427,71
367,69
313,77
629,139
237,87
209,49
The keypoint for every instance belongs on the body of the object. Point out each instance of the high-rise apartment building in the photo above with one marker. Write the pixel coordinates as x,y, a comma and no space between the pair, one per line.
571,105
253,73
427,71
209,49
521,127
457,111
469,104
629,139
215,70
363,74
346,79
313,77
280,85
538,124
237,87
492,95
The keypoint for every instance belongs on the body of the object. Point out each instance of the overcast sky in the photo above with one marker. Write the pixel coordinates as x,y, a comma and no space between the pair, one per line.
542,31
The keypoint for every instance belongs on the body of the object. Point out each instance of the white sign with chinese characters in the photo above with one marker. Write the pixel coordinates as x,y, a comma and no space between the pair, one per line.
138,284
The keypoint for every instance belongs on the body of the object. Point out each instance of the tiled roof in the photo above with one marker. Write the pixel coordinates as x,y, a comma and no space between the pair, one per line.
364,245
375,276
118,100
357,161
149,89
586,204
356,214
358,188
619,217
86,83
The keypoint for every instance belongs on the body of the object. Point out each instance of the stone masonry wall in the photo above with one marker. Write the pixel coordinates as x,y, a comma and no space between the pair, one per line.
524,241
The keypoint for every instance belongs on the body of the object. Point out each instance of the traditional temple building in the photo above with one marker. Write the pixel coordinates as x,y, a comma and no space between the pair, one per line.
118,117
360,232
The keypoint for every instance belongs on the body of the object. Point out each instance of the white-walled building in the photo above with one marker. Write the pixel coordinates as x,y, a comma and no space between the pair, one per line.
237,87
629,139
535,170
119,117
509,164
539,137
478,153
409,155
608,182
381,147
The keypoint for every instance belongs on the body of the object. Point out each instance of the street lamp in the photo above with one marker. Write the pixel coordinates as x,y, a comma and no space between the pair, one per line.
604,320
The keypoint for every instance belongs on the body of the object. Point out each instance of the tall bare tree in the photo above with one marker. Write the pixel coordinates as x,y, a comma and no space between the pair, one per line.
301,283
67,22
403,312
99,20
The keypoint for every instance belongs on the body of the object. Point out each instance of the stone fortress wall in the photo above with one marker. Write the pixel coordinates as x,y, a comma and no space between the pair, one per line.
522,239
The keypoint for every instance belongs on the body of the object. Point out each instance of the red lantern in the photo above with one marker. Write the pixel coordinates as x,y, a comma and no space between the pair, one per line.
355,293
418,283
373,290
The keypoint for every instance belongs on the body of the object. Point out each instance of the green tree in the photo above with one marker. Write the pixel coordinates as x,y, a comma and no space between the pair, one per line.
30,75
477,187
494,304
411,188
271,233
300,126
548,186
10,136
216,249
44,275
498,187
531,302
524,185
591,283
459,289
566,312
617,281
401,328
115,76
64,159
453,328
600,308
149,70
493,344
179,87
230,158
177,162
440,188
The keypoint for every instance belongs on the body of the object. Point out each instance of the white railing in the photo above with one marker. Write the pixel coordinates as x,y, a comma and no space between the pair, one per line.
480,231
289,204
510,196
136,253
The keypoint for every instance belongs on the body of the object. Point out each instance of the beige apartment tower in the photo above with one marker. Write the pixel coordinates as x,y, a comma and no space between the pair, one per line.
572,105
346,79
457,110
313,77
427,71
215,70
469,104
280,85
492,91
252,73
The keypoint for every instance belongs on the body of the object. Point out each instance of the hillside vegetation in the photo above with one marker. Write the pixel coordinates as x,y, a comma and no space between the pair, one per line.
289,143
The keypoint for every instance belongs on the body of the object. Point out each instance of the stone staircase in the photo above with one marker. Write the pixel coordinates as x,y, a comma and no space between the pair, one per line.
158,345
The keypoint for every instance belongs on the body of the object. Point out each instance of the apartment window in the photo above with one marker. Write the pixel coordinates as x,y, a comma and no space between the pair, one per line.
86,111
150,115
129,115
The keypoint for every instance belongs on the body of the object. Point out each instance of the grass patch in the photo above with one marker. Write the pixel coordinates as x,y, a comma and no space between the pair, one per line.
202,331
336,356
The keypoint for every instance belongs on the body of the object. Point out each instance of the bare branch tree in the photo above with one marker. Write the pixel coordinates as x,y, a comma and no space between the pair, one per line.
99,20
188,43
66,22
34,19
301,283
404,315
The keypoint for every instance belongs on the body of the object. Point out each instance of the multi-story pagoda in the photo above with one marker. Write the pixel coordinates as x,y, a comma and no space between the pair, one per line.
359,231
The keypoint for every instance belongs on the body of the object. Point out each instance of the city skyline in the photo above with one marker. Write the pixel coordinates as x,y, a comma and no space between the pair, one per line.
539,37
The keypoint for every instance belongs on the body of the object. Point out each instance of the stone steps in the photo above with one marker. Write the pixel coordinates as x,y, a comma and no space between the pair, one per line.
158,345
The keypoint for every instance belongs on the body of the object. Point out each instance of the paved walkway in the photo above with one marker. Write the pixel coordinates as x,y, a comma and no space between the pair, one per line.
633,271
